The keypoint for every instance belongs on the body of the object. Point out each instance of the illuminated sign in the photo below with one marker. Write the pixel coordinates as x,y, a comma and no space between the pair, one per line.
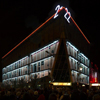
67,15
95,84
61,83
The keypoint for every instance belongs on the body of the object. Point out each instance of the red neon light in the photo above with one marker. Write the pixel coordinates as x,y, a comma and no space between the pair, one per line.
80,30
28,36
40,27
96,66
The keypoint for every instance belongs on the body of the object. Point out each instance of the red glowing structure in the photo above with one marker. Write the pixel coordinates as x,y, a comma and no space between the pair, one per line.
93,73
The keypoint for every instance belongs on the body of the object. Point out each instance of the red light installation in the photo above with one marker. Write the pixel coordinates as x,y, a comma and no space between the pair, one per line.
93,76
43,25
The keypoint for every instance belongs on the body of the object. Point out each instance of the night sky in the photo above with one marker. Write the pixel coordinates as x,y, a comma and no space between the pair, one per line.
18,18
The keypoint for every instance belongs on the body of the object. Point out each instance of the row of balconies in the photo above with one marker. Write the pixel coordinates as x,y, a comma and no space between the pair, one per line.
14,75
21,73
84,72
8,69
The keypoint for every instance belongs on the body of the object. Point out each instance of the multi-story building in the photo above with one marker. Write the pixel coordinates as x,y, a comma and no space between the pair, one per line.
57,47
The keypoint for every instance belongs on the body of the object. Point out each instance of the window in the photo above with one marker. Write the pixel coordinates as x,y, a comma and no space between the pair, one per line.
38,68
74,54
15,65
69,50
42,62
72,63
52,51
75,65
19,63
31,68
84,69
34,67
49,47
38,63
86,79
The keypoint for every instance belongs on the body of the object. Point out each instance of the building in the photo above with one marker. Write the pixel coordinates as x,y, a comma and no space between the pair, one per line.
94,75
57,47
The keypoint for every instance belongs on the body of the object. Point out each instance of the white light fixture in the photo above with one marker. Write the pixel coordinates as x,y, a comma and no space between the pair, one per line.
83,85
61,83
95,84
80,68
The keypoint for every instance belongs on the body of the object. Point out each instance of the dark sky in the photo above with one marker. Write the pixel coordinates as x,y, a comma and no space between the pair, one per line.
18,18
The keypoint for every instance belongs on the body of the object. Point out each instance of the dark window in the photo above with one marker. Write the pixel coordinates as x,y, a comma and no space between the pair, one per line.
75,54
42,63
52,51
84,69
34,67
15,65
38,68
19,63
32,58
10,68
19,72
38,63
87,70
72,63
75,65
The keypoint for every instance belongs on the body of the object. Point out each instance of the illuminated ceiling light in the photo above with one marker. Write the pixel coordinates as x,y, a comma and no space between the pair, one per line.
80,68
61,83
83,85
55,83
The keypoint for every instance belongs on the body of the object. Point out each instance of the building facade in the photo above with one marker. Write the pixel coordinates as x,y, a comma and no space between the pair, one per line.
56,47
